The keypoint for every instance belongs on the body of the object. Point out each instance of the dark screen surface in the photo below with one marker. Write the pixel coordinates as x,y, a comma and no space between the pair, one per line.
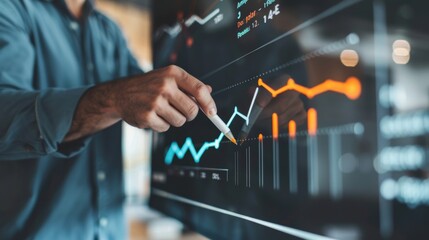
328,100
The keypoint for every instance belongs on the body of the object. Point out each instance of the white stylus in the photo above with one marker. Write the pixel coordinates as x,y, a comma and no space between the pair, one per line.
221,125
217,121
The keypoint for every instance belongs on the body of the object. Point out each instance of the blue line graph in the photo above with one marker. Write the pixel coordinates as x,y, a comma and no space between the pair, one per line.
189,146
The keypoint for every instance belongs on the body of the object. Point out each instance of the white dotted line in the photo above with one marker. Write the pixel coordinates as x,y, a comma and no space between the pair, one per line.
319,52
344,129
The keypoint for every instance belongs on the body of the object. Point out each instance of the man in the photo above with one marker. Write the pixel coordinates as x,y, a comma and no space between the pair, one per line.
60,158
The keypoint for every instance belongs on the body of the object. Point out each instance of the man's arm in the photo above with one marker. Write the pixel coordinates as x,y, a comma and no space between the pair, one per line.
35,123
32,122
156,100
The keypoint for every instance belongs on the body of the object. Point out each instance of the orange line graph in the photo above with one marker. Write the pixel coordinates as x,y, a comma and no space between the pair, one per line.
351,88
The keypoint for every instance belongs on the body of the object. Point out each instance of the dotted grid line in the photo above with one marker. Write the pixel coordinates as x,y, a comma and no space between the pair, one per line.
316,53
344,129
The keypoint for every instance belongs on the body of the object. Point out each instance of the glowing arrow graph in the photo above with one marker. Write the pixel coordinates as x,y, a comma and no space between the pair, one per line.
189,145
195,18
351,88
177,28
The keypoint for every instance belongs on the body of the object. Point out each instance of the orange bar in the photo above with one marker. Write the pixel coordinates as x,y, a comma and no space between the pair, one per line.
275,126
312,121
260,137
292,129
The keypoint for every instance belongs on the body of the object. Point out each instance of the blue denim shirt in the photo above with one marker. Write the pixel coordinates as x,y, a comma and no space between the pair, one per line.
48,59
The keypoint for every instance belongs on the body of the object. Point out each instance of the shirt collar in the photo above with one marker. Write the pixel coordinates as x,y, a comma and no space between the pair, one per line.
88,6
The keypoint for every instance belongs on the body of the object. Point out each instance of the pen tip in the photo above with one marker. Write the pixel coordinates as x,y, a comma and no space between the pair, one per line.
233,140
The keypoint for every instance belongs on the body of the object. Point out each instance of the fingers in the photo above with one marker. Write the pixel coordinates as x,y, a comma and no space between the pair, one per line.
199,91
210,88
300,117
171,115
264,98
162,98
278,107
158,124
184,104
282,104
296,113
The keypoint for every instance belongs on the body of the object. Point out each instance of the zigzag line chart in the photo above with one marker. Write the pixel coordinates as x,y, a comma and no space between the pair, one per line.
351,88
177,28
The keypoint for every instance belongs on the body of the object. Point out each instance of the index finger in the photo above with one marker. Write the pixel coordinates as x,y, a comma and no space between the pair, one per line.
199,91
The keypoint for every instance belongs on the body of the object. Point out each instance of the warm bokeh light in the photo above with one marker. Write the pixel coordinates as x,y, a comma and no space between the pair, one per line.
180,16
349,58
189,41
400,59
401,47
173,57
401,51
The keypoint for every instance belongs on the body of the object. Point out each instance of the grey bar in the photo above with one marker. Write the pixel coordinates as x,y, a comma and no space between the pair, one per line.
313,166
293,166
335,176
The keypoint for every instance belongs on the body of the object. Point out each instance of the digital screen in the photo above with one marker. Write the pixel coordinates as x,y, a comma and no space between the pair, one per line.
329,102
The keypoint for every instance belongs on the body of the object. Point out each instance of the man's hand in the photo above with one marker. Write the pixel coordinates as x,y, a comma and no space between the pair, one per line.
156,100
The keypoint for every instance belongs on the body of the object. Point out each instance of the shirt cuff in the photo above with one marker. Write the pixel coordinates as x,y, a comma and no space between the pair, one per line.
55,109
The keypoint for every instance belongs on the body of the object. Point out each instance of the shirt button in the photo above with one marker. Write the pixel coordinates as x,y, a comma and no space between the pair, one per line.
74,26
101,176
103,222
28,148
90,66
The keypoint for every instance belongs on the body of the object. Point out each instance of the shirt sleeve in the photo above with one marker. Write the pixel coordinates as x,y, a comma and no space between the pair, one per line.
33,122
